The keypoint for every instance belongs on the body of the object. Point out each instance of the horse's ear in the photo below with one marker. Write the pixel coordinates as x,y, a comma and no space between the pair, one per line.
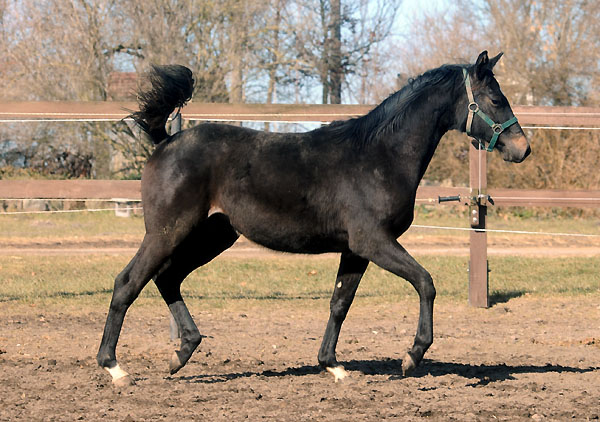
494,60
485,64
481,65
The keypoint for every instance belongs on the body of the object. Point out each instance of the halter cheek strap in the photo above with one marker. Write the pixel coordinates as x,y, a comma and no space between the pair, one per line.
473,107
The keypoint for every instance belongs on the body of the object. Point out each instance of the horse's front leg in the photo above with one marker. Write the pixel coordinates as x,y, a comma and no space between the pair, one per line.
383,250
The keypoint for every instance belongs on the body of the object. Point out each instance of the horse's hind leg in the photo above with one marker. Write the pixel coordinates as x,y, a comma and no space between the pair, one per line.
128,285
203,244
351,269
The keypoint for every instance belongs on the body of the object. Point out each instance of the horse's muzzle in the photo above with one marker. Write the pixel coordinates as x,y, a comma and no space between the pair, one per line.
517,149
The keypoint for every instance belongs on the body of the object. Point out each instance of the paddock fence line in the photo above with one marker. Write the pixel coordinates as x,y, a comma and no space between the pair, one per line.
28,111
477,196
129,191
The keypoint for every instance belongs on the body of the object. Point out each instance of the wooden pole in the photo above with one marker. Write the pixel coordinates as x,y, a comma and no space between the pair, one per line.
478,263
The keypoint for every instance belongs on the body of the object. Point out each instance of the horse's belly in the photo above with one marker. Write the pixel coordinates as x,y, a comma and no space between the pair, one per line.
300,243
289,233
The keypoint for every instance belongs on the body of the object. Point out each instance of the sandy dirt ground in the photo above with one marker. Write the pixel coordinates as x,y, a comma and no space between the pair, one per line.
415,243
524,359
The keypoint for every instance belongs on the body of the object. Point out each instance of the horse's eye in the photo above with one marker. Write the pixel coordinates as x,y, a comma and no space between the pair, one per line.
495,102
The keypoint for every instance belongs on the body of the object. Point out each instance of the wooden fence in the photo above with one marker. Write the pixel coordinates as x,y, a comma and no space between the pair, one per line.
477,196
105,110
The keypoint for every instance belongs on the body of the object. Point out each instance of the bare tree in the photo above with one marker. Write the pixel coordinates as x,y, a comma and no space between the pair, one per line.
238,50
341,35
551,46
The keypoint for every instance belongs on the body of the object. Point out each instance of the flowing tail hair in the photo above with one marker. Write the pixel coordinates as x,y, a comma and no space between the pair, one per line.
170,87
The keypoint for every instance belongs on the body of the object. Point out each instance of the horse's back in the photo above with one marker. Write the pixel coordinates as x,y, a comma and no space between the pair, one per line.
276,188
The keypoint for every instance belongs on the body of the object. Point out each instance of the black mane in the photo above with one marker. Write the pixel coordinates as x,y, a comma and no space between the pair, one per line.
390,115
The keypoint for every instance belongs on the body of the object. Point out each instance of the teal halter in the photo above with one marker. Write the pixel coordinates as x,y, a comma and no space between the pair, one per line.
473,107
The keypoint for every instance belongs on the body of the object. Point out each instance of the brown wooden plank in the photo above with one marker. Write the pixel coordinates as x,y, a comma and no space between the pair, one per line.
59,110
202,111
106,189
558,116
527,115
545,198
274,112
69,189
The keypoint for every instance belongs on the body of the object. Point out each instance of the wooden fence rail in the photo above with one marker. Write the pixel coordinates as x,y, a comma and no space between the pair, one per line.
585,117
130,189
99,110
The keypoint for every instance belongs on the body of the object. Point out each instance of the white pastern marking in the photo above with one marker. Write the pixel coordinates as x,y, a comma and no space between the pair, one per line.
338,372
116,372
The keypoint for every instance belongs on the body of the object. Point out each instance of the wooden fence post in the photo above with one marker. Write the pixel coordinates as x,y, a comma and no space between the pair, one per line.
478,263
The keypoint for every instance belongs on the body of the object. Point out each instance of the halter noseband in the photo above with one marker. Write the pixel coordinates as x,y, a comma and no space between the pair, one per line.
473,108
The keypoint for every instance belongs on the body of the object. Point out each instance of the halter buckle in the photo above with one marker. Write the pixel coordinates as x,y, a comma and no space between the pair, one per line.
473,107
497,128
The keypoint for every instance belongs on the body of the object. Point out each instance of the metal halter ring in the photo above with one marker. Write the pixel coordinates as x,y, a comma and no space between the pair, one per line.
473,107
497,128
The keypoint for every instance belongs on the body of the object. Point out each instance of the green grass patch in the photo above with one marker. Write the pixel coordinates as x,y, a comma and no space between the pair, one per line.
88,280
83,225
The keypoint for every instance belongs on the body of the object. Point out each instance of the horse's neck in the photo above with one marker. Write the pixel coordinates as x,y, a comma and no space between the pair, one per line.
414,143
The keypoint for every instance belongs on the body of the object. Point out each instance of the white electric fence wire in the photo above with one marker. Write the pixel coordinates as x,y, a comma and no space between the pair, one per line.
479,158
504,231
59,120
69,211
413,225
518,198
73,199
192,119
234,118
525,198
560,127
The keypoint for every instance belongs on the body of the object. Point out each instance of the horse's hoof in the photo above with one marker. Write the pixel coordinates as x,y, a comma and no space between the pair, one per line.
120,378
124,381
175,363
338,372
408,365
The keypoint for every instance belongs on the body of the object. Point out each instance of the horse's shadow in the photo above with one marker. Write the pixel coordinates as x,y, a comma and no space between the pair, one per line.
480,374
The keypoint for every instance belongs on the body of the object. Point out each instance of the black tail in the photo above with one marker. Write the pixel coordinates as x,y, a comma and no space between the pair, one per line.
170,87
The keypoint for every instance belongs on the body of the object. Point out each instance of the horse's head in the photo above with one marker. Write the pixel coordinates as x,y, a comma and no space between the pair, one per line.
490,119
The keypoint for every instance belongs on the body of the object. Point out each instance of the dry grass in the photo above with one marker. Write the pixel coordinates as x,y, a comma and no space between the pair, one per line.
88,227
88,280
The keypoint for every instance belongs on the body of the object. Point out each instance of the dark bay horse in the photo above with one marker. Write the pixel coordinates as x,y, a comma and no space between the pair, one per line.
348,187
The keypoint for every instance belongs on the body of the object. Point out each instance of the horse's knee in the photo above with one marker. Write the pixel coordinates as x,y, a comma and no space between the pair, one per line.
429,292
425,287
121,280
121,300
